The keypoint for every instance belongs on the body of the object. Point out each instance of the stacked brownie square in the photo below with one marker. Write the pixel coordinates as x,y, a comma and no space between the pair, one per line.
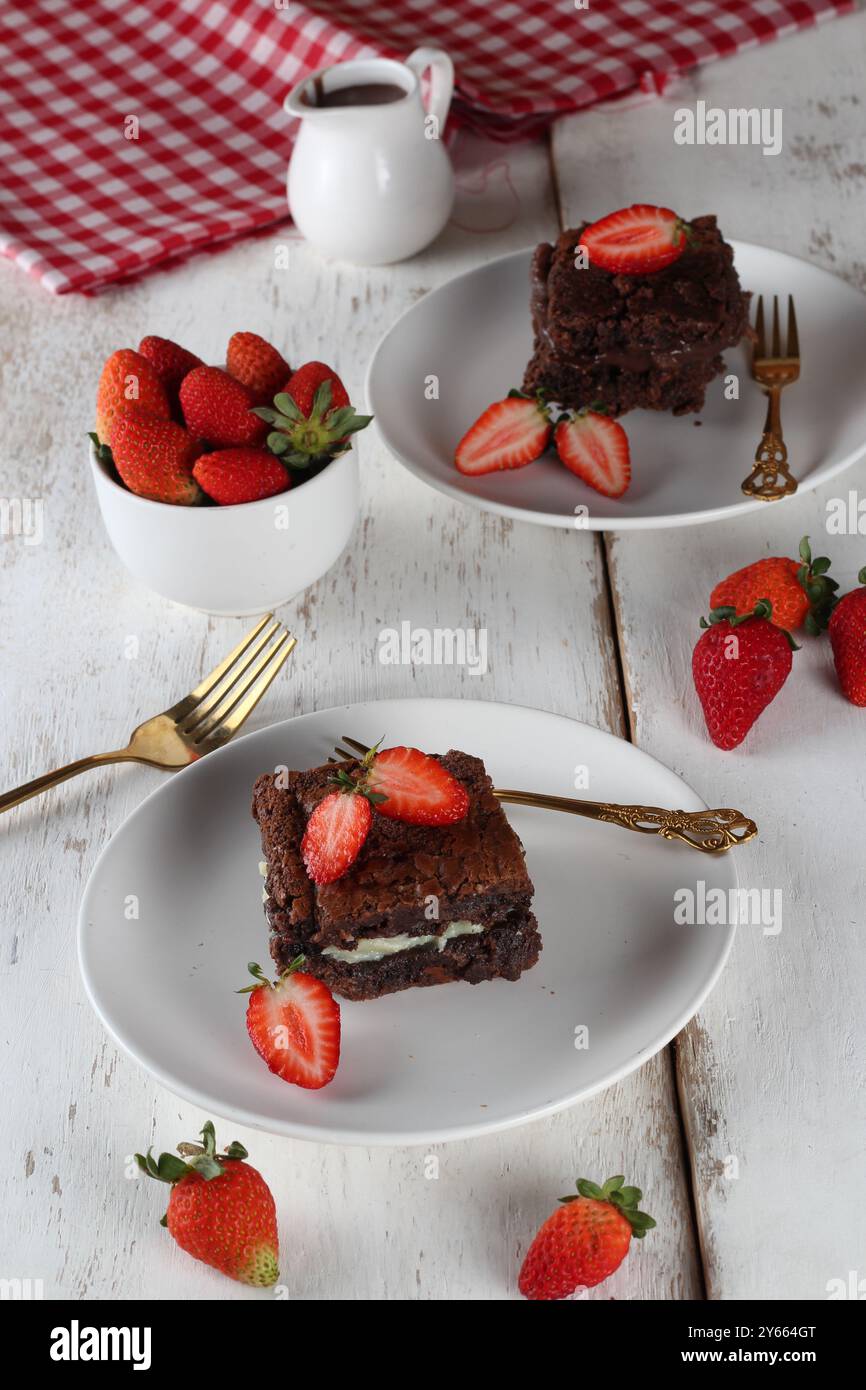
618,342
421,905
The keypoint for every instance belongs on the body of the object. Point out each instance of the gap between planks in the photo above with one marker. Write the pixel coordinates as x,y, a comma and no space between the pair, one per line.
623,690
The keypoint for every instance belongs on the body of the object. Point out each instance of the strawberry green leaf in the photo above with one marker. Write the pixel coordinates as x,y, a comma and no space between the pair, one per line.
322,399
587,1188
286,405
278,443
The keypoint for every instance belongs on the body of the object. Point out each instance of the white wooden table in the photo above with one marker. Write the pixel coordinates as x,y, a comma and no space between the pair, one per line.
748,1133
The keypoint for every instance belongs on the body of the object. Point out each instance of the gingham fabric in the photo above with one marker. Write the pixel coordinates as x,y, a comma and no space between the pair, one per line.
134,133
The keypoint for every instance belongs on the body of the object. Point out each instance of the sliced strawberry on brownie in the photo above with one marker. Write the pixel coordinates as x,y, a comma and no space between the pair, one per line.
335,834
636,240
411,786
294,1025
595,448
509,434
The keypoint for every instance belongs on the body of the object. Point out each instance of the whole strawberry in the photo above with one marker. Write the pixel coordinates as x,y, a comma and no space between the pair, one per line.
155,457
240,475
253,361
800,591
218,408
584,1241
303,384
739,665
170,361
128,382
220,1210
312,418
848,640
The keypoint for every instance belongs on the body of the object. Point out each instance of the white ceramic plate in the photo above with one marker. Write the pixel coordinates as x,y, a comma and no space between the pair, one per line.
474,334
427,1064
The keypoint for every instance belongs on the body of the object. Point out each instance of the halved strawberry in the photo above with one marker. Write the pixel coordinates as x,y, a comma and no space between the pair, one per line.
334,835
595,448
294,1024
415,787
636,240
509,434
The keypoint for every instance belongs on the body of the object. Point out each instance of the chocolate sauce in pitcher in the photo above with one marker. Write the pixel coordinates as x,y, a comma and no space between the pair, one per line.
358,94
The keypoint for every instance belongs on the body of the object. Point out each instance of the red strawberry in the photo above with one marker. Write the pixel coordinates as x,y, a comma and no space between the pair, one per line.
241,475
219,409
411,786
305,382
334,835
509,434
584,1241
220,1210
635,240
128,382
295,1025
252,360
595,448
155,457
170,361
739,666
312,418
799,590
848,640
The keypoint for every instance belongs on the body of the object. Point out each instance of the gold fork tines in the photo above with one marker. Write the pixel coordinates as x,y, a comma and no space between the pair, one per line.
712,832
201,722
771,477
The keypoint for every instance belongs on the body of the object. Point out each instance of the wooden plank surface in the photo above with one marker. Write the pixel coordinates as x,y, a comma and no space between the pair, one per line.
772,1070
355,1223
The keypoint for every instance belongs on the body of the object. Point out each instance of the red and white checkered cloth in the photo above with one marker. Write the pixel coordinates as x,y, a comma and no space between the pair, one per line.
131,134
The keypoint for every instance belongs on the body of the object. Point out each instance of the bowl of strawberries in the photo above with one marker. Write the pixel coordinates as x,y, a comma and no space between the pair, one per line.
229,489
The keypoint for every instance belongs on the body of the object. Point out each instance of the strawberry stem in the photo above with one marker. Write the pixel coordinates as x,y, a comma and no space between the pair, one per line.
625,1199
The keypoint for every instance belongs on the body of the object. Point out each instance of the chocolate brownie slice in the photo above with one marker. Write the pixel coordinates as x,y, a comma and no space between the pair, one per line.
420,904
628,341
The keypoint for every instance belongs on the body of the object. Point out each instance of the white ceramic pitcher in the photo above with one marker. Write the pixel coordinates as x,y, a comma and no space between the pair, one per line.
372,183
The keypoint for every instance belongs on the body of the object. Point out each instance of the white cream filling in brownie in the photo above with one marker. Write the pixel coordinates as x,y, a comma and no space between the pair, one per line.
372,948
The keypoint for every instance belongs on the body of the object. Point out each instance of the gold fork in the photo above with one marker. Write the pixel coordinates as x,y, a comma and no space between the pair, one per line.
202,721
713,832
770,477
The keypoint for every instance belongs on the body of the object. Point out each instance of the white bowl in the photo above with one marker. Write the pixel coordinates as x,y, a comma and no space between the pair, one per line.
233,561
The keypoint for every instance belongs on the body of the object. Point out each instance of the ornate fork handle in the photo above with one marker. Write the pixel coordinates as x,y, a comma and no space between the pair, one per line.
712,832
771,477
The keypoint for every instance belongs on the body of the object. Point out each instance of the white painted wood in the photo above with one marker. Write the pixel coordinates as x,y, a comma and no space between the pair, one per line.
771,1072
355,1223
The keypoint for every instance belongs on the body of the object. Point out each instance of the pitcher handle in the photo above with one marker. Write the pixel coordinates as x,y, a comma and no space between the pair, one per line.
442,80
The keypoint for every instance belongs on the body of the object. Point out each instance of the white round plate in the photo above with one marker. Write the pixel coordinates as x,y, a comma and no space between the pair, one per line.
474,334
427,1064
